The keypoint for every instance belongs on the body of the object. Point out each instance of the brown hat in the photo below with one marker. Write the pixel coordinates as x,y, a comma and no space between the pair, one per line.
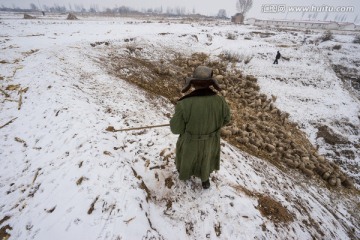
201,74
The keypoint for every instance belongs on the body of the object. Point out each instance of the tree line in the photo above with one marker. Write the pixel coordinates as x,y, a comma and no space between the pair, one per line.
242,6
79,8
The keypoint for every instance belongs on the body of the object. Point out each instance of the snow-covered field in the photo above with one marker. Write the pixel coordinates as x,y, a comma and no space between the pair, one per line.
64,177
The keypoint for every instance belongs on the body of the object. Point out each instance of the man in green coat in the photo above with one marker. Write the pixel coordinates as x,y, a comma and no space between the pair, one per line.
198,119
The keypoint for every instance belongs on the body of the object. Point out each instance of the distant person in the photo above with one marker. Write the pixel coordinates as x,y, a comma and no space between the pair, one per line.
198,119
43,13
278,56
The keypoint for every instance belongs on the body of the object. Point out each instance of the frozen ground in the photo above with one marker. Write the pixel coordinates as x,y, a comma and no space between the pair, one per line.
64,177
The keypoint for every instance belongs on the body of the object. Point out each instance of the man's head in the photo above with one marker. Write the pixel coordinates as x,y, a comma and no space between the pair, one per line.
202,78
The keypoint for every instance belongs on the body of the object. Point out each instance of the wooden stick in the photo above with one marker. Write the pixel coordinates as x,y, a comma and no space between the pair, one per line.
112,129
8,122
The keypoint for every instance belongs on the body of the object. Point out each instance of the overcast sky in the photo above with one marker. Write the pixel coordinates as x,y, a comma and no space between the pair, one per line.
211,7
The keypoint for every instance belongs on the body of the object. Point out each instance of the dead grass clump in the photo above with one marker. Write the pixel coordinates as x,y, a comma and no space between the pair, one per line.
267,206
262,34
200,56
36,175
248,59
217,228
50,210
142,185
80,180
12,87
283,46
244,190
19,140
273,210
33,190
231,36
131,48
169,182
107,153
327,36
4,235
230,56
92,206
106,43
4,219
189,227
357,39
146,189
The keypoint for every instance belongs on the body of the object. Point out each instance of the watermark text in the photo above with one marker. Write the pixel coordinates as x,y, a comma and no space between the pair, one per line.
282,8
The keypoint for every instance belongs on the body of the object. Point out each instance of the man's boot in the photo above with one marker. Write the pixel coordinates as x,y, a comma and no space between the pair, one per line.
206,184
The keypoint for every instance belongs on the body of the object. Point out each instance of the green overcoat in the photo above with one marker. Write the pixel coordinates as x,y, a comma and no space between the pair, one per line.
198,119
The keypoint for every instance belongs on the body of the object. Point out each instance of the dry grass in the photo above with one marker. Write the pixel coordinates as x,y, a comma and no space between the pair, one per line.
267,206
80,180
231,36
230,56
326,36
3,232
92,206
273,210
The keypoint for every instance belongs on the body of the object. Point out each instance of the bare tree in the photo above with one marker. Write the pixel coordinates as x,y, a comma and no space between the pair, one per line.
179,11
33,7
92,9
158,10
169,11
243,6
222,13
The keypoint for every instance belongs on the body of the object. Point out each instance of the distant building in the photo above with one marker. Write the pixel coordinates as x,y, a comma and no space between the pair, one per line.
27,16
347,26
238,18
304,24
331,26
